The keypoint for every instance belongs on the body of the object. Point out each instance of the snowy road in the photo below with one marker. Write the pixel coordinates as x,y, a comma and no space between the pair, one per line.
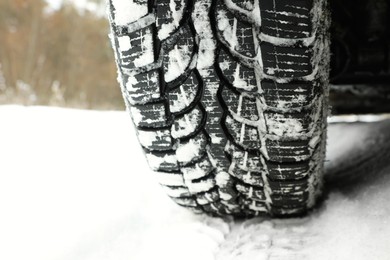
75,185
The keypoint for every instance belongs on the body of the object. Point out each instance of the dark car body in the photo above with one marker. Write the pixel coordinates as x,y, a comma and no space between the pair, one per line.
360,61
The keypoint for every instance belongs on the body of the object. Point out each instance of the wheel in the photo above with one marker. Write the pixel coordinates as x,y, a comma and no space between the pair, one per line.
229,99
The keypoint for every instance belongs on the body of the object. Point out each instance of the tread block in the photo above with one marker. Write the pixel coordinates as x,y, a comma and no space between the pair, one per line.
237,75
286,61
288,124
226,190
235,33
288,151
185,201
169,14
290,201
286,18
225,25
202,185
230,98
244,160
248,108
245,39
252,178
142,88
252,204
207,197
242,105
289,188
288,171
250,192
192,150
215,208
162,162
181,97
246,5
136,49
288,95
170,179
247,213
245,135
155,140
178,57
291,211
187,124
176,191
199,170
149,115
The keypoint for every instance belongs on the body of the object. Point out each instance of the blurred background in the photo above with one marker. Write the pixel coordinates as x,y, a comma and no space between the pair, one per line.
57,53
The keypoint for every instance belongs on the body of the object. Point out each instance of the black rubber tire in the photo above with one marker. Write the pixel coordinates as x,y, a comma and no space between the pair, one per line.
229,98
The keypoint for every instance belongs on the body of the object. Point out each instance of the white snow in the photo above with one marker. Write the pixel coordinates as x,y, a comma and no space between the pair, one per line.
92,6
179,59
253,15
75,185
147,56
207,44
129,11
177,9
169,179
189,150
281,125
187,124
124,43
222,178
147,138
202,186
229,31
239,82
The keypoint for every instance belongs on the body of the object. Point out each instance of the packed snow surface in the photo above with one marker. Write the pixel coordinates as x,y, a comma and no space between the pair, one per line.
75,185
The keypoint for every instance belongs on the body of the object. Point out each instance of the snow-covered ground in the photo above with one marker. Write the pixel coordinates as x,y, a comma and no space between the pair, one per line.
74,185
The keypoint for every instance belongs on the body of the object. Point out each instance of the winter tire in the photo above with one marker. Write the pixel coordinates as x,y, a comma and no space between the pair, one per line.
229,99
